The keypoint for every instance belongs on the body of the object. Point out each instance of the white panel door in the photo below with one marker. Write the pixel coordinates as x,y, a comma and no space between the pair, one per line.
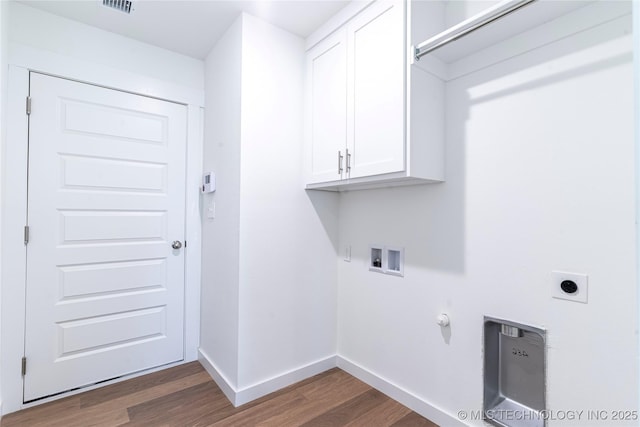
105,288
327,80
376,105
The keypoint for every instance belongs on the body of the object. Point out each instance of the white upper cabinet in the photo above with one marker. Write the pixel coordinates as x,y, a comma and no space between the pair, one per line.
362,97
376,91
327,108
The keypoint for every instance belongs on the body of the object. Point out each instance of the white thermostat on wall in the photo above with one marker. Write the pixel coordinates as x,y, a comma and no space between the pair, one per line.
209,182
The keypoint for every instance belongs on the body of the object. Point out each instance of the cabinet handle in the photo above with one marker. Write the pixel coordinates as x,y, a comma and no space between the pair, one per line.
348,161
340,156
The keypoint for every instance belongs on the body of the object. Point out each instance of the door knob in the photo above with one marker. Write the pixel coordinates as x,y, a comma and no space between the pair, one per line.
177,244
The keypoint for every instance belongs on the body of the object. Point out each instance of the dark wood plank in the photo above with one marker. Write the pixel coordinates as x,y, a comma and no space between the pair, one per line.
413,420
216,416
31,416
266,410
149,394
382,415
321,396
53,414
124,388
348,411
180,408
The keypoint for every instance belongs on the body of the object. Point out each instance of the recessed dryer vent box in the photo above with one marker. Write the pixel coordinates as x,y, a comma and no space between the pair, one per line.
514,374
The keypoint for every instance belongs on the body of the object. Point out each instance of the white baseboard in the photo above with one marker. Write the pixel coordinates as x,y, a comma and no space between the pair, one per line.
408,399
255,391
225,385
263,388
247,394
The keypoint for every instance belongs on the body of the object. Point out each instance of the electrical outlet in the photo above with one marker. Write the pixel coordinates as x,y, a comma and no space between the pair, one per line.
347,253
570,286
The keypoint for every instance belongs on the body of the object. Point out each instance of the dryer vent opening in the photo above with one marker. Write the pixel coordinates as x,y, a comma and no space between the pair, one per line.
514,374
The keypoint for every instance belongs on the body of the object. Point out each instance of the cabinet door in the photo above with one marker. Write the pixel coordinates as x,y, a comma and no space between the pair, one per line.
327,109
376,72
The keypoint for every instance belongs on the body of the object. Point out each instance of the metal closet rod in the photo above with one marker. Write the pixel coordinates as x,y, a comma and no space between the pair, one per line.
464,29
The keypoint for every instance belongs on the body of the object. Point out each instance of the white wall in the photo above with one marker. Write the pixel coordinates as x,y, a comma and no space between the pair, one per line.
458,11
221,236
288,273
30,27
540,177
269,280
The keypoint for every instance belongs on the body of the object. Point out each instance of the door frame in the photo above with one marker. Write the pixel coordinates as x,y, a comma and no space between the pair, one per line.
13,198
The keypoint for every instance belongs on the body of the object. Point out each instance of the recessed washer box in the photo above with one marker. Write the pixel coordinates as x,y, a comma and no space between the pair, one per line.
375,257
386,260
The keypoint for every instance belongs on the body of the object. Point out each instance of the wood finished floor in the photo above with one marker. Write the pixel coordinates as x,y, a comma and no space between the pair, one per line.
186,396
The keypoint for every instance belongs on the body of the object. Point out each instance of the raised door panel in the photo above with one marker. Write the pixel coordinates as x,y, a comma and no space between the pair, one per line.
327,115
376,69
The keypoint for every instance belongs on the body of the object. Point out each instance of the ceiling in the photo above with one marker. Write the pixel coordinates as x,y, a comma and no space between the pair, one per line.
191,27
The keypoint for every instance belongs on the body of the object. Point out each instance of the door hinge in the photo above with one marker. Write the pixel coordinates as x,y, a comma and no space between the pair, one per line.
28,105
26,234
24,366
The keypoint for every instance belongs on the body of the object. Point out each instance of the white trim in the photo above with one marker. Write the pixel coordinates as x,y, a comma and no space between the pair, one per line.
257,390
408,399
636,83
14,205
24,59
88,72
219,378
336,21
193,231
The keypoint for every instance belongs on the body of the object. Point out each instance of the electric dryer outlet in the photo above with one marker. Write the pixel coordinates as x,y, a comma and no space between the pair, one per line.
570,286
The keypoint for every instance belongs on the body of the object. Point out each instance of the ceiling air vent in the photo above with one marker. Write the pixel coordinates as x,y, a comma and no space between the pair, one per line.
125,6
